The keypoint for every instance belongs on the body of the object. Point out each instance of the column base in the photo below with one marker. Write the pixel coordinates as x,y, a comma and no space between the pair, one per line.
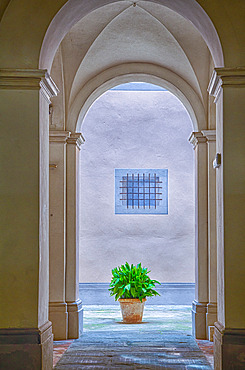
75,319
229,348
59,317
199,311
27,348
211,318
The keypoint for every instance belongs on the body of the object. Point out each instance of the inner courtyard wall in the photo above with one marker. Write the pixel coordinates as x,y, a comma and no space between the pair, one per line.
135,130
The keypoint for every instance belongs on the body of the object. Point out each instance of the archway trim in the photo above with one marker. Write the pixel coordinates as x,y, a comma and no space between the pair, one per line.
136,72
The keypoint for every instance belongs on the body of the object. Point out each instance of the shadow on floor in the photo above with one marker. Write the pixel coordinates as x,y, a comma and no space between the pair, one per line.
163,341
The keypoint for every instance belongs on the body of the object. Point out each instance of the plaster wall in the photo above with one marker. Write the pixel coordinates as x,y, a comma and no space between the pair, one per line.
19,153
136,129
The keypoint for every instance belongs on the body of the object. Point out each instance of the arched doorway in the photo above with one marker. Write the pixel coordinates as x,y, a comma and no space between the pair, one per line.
81,84
95,68
136,125
21,63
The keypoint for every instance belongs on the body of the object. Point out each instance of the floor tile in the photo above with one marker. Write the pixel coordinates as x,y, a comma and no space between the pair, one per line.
162,341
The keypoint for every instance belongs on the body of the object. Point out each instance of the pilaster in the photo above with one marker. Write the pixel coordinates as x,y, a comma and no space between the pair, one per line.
74,304
212,239
57,233
24,100
199,306
228,87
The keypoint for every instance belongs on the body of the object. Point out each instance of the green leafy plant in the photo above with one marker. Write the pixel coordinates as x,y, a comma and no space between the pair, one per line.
132,282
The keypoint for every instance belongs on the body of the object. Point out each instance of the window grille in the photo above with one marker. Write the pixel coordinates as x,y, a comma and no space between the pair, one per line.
141,191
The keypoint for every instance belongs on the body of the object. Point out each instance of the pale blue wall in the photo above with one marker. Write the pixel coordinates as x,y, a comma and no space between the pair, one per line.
136,129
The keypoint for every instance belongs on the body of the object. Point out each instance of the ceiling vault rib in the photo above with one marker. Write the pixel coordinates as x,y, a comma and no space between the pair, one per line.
164,26
94,40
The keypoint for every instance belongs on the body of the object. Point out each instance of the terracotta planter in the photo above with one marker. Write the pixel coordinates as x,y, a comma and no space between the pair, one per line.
132,310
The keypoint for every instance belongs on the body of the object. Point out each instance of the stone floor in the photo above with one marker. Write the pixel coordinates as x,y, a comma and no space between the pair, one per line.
163,340
60,346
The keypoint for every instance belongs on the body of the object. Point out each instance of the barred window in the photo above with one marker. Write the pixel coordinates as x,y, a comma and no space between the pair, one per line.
141,191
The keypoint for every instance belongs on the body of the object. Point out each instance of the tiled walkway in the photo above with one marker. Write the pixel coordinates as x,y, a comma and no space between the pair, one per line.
163,340
60,346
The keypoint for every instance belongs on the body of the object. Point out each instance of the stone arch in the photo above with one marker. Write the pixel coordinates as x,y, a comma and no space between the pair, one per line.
69,15
138,72
145,72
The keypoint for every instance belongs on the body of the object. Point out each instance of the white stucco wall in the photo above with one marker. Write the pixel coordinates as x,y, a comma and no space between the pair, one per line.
136,129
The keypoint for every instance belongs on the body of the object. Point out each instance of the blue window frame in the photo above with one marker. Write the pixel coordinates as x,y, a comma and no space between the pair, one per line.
141,191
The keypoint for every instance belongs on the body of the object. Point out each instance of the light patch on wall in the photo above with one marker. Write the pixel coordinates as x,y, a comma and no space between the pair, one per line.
141,191
138,86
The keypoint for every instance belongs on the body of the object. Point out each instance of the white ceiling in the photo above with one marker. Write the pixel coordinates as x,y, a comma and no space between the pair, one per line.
121,33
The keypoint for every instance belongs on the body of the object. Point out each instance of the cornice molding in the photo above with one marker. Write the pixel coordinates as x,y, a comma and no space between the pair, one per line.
214,86
76,139
21,78
209,134
48,87
225,77
28,79
56,136
197,138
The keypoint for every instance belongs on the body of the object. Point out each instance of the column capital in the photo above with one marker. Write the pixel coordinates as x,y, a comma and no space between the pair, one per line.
28,79
58,136
209,134
76,139
197,138
225,77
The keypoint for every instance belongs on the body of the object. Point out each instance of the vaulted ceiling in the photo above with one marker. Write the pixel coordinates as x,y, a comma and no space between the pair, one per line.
126,32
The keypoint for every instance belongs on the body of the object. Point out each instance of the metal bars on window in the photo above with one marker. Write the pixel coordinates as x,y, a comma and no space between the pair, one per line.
141,190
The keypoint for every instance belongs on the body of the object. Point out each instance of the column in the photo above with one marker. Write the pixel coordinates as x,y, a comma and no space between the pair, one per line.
57,233
74,304
228,87
212,239
25,331
199,305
